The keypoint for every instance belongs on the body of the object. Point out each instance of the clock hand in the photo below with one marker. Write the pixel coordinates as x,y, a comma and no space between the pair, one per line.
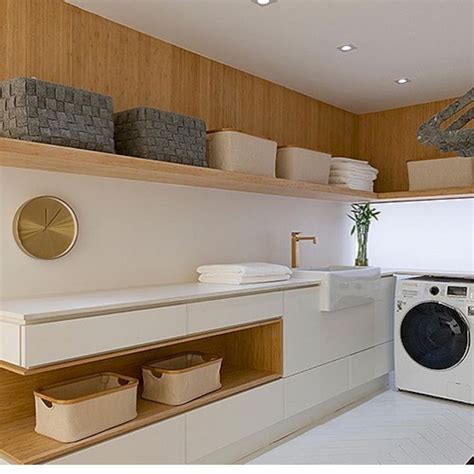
51,221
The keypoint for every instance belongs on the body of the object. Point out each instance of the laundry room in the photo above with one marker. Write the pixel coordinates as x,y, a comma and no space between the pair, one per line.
236,232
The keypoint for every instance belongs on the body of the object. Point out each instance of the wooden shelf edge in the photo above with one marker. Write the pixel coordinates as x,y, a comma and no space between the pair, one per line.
44,157
24,446
427,195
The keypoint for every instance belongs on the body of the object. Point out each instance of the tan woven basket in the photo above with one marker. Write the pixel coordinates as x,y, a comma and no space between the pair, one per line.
180,378
80,408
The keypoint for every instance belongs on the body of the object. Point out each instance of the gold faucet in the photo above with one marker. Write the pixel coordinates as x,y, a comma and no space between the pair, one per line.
295,254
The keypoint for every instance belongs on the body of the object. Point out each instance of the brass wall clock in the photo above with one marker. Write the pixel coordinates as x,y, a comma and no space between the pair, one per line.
45,227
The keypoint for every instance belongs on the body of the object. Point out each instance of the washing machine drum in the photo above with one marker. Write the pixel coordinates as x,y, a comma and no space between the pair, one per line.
435,335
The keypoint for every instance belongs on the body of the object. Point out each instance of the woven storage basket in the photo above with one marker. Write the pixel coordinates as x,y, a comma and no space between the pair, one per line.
46,112
80,408
441,173
301,164
232,150
180,378
157,135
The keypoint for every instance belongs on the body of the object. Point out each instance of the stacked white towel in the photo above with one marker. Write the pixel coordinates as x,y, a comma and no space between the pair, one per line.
350,173
243,273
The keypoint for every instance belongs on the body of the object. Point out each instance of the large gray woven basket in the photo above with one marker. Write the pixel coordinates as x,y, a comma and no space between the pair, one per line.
158,135
35,110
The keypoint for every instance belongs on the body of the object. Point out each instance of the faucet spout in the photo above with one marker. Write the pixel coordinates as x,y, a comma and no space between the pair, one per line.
296,237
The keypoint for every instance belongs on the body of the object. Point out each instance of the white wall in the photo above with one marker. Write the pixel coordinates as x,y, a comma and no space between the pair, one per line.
137,233
436,235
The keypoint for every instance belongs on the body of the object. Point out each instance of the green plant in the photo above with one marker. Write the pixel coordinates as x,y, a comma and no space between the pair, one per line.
362,215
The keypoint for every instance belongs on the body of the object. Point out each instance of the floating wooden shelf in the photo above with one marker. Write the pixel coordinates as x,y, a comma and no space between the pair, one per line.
22,445
38,156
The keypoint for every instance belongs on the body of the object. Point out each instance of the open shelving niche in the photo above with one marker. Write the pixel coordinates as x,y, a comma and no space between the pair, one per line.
252,356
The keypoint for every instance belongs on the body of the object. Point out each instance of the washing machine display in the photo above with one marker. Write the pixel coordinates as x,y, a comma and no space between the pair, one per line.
435,335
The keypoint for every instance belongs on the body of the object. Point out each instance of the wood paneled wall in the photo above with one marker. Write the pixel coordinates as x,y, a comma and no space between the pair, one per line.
388,140
55,41
58,42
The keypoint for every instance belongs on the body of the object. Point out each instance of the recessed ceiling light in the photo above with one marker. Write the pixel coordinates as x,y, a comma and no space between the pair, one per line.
263,3
345,48
402,80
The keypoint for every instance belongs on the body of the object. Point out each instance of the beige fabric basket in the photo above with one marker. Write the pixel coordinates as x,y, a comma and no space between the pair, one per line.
80,408
441,173
180,378
232,150
301,164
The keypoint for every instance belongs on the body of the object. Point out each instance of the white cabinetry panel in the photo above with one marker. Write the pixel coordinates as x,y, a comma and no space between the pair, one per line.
224,422
162,443
304,390
371,363
10,343
209,315
62,340
301,330
385,311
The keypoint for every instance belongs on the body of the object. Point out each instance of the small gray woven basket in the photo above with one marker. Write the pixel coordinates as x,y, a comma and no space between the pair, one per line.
40,111
157,135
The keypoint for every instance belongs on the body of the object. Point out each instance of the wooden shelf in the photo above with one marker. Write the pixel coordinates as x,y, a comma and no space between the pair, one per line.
38,156
428,195
22,445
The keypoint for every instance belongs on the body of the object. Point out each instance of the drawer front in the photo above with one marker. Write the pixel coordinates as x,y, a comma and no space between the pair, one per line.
10,337
385,311
371,364
305,390
63,340
162,443
301,330
227,421
209,315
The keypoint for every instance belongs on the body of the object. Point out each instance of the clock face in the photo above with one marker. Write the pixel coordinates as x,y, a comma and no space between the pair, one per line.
45,227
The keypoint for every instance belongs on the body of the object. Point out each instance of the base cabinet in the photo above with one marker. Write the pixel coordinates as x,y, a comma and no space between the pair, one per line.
162,443
222,423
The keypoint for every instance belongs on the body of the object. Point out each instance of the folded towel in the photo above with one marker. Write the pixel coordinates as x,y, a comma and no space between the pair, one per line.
342,159
246,269
354,168
353,174
236,279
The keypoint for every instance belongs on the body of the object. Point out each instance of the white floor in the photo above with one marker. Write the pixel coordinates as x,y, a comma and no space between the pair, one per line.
391,428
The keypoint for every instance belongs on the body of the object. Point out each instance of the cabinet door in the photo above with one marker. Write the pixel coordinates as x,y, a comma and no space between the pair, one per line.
224,422
371,364
62,340
162,443
209,315
301,330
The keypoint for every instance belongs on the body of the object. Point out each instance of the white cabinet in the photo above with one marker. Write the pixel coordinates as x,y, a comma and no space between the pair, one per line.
51,342
224,422
301,329
385,311
10,343
162,443
210,315
305,390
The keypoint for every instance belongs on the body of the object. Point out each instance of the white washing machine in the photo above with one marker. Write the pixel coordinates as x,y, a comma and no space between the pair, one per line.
434,320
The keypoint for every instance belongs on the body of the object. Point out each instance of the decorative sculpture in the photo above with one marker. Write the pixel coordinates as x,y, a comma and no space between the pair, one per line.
452,138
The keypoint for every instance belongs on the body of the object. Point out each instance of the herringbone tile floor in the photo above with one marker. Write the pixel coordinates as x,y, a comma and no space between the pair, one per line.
390,428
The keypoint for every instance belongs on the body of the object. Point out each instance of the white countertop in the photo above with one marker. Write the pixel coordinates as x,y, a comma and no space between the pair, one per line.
35,310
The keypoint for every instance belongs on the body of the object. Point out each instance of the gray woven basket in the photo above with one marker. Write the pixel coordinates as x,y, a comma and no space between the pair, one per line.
35,110
157,135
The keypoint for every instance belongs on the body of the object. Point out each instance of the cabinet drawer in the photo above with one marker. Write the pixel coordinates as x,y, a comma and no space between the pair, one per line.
227,421
216,314
371,364
305,390
163,443
62,340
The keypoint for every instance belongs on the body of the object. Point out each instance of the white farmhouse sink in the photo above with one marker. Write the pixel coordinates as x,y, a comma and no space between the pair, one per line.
344,286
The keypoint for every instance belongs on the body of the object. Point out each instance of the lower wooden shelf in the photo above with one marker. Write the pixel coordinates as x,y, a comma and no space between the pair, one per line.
22,445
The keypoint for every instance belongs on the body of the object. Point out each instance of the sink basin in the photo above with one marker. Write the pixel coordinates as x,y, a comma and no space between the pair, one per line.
344,286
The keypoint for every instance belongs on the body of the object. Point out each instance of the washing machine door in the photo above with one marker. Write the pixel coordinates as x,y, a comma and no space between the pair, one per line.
435,335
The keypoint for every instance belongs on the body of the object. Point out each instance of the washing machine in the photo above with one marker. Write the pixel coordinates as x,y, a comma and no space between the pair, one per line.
434,320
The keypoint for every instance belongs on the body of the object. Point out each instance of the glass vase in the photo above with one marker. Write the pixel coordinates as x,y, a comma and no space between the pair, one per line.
362,237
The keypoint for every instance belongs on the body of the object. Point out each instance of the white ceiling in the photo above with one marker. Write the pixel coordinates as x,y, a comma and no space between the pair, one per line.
293,43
